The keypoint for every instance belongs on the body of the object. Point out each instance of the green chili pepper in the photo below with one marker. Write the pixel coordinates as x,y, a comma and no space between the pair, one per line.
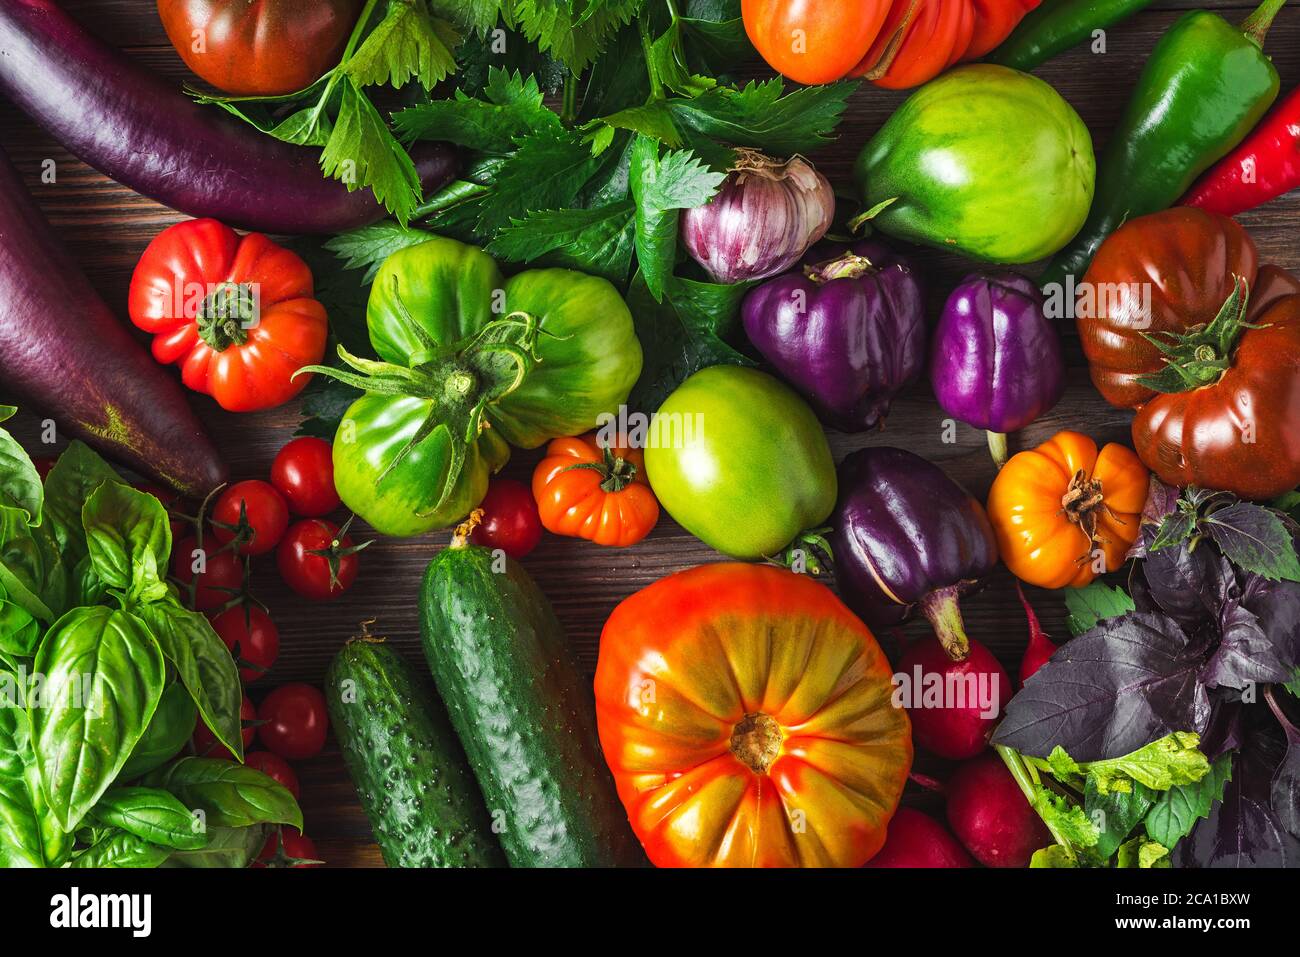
1056,26
1204,87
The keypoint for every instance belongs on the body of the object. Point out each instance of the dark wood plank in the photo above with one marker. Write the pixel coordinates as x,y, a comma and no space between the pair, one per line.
107,227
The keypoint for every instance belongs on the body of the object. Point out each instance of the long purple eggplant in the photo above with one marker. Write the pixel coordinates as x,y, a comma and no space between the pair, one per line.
148,135
907,538
63,350
847,330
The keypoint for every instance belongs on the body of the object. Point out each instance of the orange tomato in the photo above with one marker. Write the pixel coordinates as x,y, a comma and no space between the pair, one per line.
893,43
586,490
747,717
1052,507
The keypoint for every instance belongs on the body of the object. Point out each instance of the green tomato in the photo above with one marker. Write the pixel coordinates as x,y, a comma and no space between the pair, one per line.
984,160
740,461
470,364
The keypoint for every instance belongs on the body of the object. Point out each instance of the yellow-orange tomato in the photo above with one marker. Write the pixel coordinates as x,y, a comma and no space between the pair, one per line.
1053,507
747,717
586,490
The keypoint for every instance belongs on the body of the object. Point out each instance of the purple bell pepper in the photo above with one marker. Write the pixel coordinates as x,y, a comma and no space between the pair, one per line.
995,360
847,330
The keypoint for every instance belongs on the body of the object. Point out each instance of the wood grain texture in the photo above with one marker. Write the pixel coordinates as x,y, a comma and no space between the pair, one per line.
107,227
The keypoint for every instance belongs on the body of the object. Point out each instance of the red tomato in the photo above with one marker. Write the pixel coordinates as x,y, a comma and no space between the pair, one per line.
265,48
510,521
252,638
221,579
303,473
254,514
317,559
296,847
293,721
236,313
274,767
207,746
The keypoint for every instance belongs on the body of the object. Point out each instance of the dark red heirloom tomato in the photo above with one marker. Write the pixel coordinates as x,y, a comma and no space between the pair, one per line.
236,313
259,47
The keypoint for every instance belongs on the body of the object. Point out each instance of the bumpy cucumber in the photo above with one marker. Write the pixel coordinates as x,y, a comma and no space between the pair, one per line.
525,716
408,766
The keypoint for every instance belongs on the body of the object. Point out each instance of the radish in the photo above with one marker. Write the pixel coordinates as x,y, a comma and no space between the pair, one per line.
990,815
1040,648
918,840
954,705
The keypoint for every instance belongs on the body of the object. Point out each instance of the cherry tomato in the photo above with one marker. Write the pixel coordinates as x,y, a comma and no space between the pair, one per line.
303,472
284,847
510,521
252,638
317,559
293,721
220,581
207,746
252,514
274,767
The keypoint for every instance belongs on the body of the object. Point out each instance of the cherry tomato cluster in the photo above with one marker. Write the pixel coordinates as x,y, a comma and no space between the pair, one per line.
211,561
583,488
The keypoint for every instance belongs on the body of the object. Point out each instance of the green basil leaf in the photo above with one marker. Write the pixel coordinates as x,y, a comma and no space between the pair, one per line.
129,539
1095,602
103,675
172,726
230,794
121,849
20,633
20,483
204,665
29,565
227,847
77,473
20,830
152,814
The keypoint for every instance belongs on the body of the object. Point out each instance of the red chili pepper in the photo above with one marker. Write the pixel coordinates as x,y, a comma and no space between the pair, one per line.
1264,166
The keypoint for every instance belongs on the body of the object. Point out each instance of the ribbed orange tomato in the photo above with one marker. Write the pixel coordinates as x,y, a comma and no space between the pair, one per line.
588,490
747,717
1053,506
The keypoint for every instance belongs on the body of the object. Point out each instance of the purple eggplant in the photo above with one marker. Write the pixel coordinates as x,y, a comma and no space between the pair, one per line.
907,538
847,330
995,360
148,135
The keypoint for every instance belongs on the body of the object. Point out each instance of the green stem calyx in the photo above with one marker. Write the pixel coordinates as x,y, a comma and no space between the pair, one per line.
941,609
1256,25
225,317
616,473
1200,355
848,266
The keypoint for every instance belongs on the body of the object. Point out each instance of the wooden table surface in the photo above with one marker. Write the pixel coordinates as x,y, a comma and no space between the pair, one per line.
107,227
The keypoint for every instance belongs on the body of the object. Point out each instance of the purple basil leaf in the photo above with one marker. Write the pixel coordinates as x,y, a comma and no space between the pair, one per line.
1277,606
1285,792
1112,690
1224,732
1246,654
1162,501
1243,830
1254,539
1190,585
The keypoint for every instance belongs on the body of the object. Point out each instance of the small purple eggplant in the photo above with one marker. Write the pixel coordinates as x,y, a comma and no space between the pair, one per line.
847,330
995,360
907,538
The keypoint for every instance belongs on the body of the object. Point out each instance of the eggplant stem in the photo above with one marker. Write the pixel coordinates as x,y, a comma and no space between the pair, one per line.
940,607
998,447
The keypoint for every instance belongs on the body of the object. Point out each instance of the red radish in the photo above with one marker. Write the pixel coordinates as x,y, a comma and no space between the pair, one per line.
1040,648
954,705
989,814
918,840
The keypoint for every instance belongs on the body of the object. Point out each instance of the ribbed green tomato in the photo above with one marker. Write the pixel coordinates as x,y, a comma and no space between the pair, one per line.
985,160
472,363
740,461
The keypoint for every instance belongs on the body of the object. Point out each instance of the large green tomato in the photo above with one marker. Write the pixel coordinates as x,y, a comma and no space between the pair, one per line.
740,461
985,160
470,364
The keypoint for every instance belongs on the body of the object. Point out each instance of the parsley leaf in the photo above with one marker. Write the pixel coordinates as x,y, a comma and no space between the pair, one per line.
597,241
573,31
367,247
546,172
760,117
662,186
362,152
406,43
511,108
1177,810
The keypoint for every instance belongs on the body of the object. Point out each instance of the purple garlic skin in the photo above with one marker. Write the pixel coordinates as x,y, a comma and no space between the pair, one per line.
995,359
847,330
763,219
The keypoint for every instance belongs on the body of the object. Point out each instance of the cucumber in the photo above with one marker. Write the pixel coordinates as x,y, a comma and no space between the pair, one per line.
526,718
409,769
